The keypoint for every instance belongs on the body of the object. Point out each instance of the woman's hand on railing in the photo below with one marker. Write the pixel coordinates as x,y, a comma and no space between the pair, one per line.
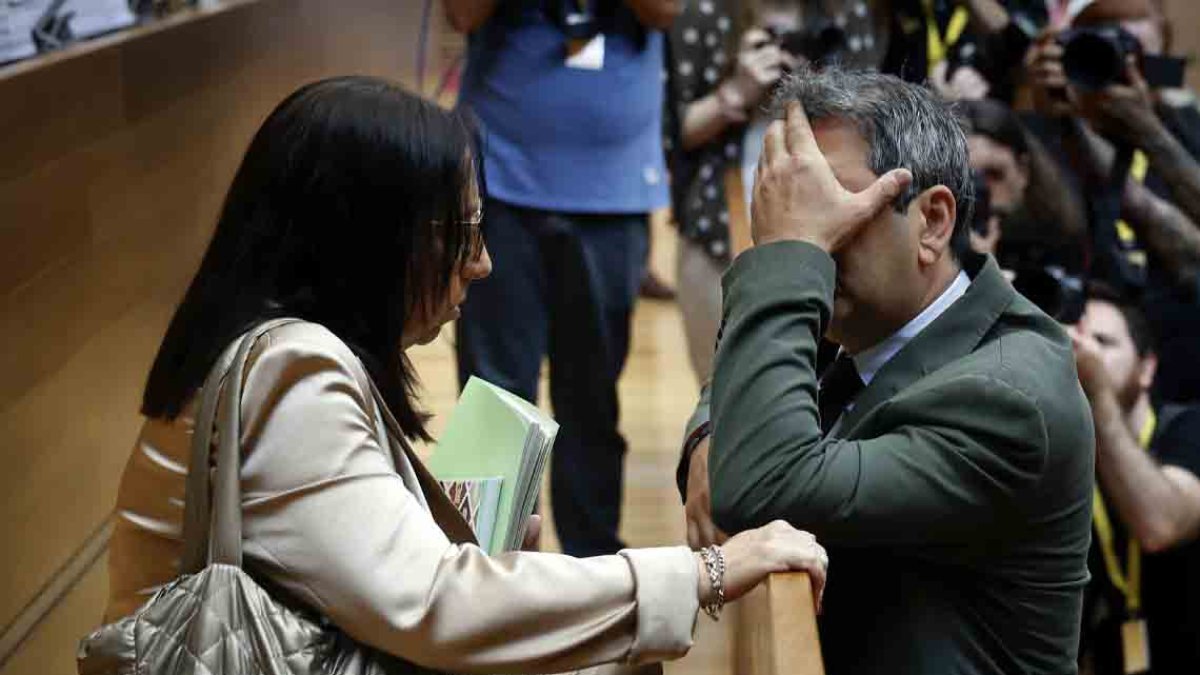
754,554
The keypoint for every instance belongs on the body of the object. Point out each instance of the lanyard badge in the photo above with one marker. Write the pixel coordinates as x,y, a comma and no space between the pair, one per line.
585,41
1135,643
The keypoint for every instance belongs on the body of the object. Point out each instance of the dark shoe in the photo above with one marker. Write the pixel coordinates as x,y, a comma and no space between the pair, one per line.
654,288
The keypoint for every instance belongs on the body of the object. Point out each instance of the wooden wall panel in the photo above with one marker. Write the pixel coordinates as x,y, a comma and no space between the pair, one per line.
113,164
46,652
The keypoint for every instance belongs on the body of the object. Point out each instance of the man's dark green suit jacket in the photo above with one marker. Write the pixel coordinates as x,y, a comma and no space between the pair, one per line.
954,497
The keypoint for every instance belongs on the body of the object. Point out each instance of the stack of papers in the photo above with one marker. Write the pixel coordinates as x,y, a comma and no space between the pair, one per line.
494,437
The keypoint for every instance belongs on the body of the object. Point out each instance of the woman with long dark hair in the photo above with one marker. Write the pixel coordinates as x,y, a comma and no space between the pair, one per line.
356,211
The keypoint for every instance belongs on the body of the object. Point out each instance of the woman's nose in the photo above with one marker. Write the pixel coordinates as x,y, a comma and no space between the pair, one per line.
480,267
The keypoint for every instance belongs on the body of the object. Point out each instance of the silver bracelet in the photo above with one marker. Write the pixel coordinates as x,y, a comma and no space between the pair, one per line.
714,562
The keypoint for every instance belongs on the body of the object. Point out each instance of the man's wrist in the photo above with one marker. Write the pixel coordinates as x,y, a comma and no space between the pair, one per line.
1153,136
1103,400
694,439
1143,126
805,238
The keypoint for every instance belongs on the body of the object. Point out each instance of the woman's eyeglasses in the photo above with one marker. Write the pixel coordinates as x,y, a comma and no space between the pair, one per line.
474,228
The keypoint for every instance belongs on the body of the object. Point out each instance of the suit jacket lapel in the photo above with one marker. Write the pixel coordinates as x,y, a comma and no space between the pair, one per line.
951,336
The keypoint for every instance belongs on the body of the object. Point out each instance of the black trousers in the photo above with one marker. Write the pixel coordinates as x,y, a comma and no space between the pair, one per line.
562,285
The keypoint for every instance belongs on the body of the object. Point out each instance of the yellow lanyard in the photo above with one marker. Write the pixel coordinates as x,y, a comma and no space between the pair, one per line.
1128,582
1137,171
937,44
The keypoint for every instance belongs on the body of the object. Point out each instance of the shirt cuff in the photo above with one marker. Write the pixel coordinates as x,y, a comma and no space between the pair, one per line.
666,580
694,438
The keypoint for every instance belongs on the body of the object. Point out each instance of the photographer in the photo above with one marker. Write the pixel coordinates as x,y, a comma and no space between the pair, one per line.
1028,192
725,60
1141,240
1026,212
1145,557
966,49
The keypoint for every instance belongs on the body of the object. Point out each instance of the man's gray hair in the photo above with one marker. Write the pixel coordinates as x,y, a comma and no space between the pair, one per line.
905,125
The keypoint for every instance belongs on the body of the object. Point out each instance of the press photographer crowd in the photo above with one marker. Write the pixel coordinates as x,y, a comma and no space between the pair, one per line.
939,278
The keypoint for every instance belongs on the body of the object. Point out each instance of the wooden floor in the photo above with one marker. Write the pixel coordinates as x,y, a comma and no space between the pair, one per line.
657,394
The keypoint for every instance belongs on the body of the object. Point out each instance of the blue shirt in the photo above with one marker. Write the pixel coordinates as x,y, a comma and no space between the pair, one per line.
567,139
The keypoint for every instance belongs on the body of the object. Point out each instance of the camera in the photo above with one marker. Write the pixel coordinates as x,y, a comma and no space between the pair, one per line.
1094,57
816,42
1055,291
1036,268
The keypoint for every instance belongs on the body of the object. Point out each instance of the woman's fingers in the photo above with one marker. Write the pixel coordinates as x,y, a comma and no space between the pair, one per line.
802,553
816,564
533,534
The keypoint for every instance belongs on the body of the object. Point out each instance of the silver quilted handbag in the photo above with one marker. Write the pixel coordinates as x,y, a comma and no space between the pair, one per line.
215,619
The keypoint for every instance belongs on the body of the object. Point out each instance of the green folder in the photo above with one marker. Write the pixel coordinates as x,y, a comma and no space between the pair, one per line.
493,433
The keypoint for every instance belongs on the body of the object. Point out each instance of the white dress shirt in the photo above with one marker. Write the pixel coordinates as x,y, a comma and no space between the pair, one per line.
870,360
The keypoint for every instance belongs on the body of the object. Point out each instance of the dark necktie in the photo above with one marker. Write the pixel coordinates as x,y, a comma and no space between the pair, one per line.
839,386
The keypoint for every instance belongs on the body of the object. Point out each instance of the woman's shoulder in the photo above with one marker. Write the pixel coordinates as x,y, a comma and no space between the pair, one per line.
305,339
308,412
301,350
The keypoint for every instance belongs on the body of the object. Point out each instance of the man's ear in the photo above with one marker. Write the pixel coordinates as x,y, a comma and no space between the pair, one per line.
938,211
1147,368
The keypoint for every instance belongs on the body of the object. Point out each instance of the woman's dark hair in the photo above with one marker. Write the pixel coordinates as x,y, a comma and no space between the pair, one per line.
346,211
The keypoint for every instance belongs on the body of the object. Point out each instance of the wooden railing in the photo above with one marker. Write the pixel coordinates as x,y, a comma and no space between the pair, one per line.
776,632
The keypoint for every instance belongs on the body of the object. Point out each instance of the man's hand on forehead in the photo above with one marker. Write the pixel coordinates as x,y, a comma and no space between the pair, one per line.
797,197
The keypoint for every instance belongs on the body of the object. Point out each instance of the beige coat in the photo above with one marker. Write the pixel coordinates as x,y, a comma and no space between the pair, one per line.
336,516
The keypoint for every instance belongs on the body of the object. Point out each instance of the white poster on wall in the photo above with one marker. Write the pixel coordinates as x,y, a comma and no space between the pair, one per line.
94,17
88,18
17,18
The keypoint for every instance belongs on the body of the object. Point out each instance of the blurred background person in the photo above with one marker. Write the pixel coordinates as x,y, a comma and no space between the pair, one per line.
570,98
1144,594
1096,110
966,49
724,64
725,59
1027,213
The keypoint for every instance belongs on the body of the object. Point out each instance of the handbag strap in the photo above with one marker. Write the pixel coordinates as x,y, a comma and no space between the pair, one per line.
212,525
213,533
445,514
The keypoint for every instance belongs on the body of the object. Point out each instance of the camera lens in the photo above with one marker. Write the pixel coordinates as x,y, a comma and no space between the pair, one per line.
815,43
1094,58
1053,290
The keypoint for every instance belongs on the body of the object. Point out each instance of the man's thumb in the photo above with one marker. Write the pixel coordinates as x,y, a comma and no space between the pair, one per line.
883,191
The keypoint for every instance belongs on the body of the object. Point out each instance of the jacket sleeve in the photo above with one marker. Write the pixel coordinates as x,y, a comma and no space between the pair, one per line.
696,430
953,457
328,519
